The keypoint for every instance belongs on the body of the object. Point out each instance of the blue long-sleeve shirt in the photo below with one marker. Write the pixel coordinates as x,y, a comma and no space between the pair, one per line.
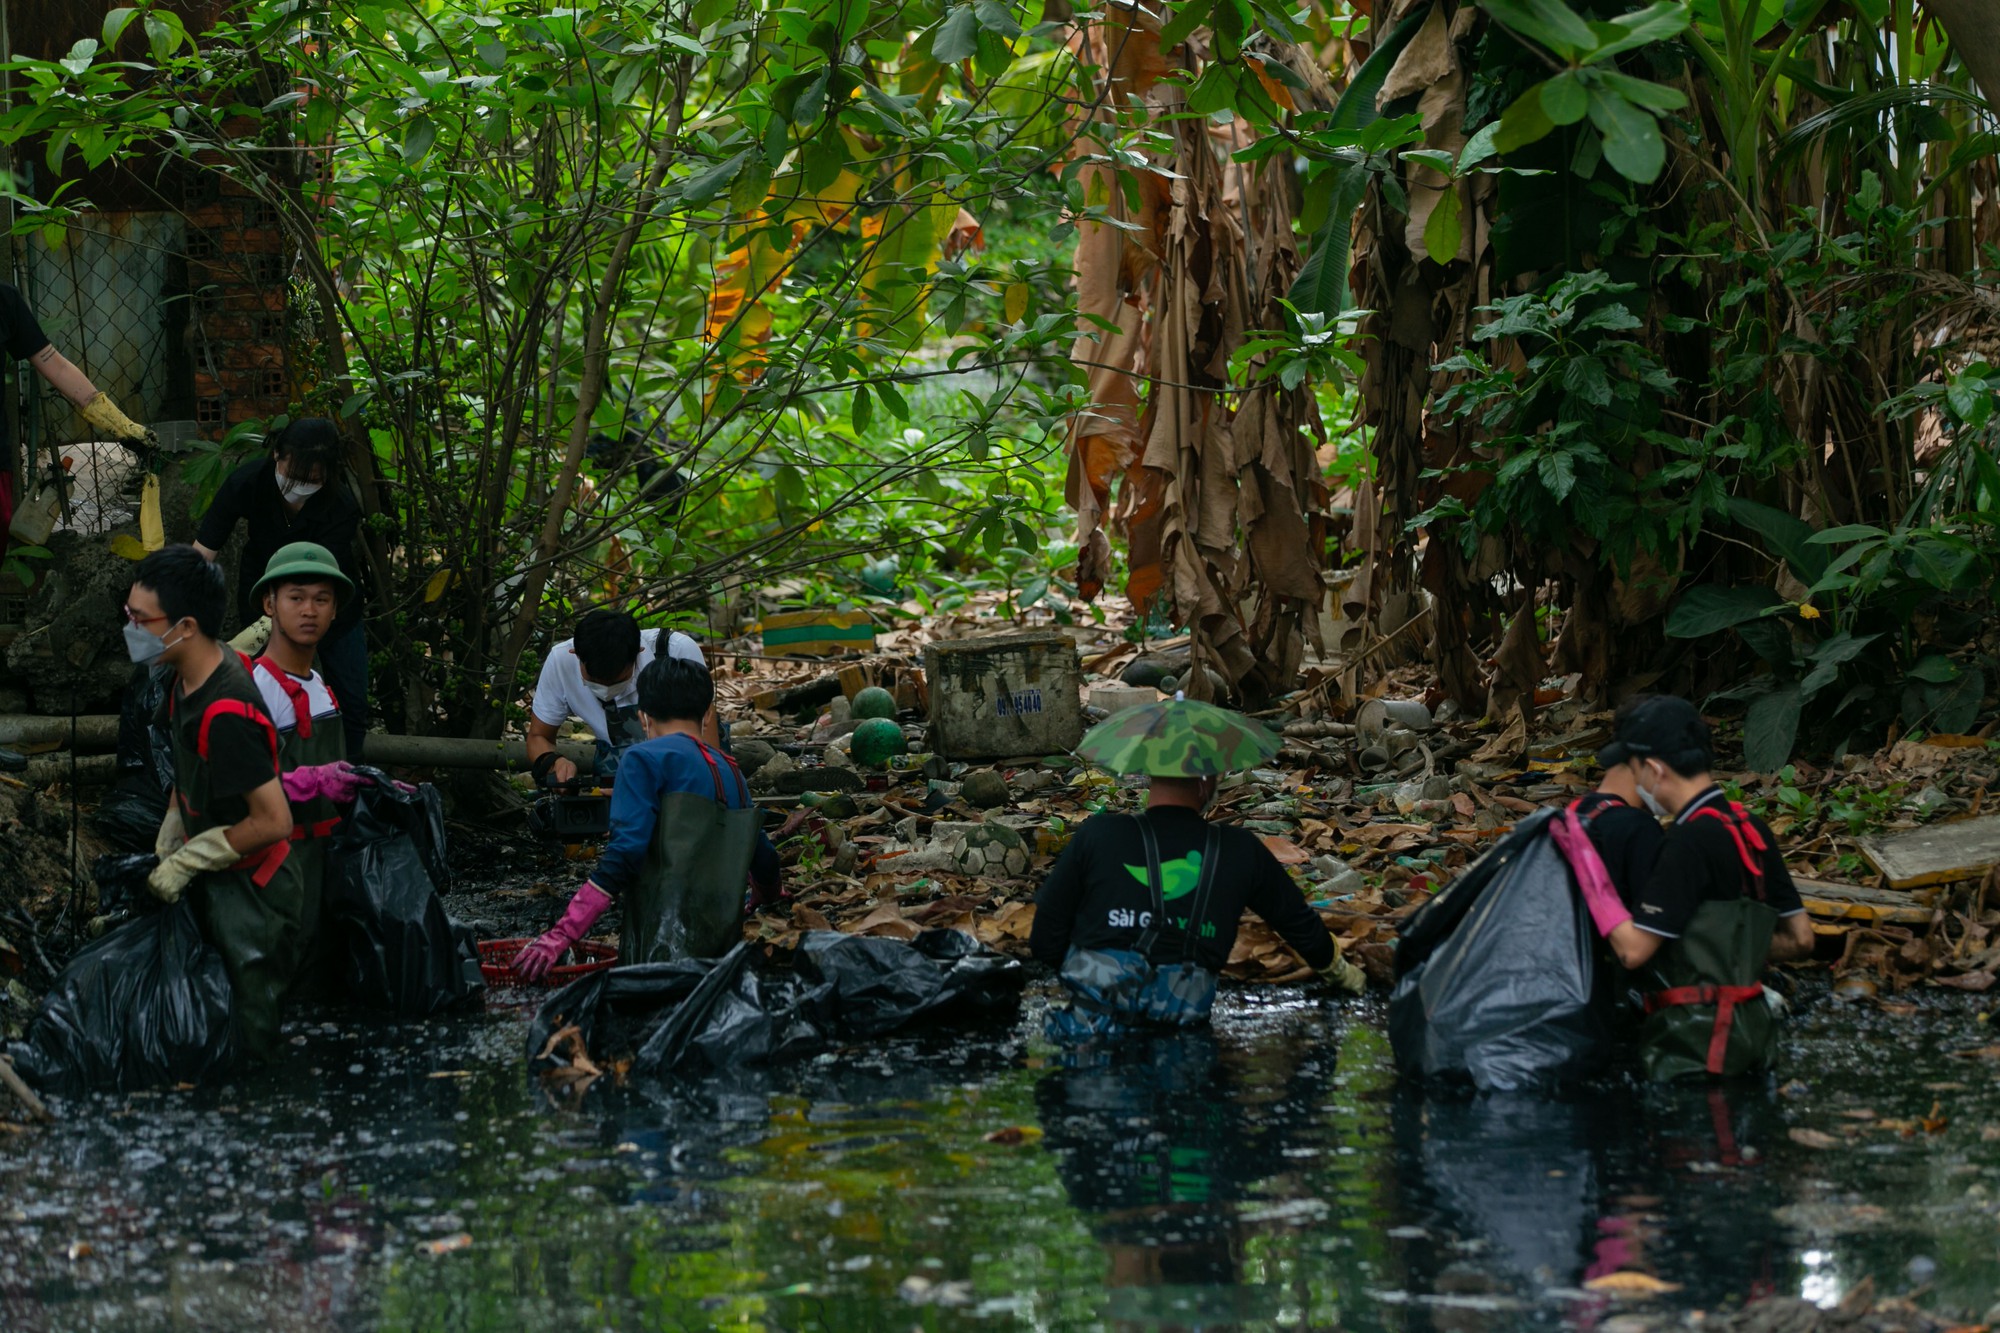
648,771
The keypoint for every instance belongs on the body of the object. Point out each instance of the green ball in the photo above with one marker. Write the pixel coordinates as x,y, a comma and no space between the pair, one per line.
1168,684
877,741
873,702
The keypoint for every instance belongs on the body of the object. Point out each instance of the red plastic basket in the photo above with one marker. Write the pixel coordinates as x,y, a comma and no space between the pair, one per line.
496,962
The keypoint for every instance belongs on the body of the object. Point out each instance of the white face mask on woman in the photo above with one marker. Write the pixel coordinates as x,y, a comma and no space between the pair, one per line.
296,492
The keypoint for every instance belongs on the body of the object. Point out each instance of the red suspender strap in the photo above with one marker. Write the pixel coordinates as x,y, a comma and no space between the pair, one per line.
1750,844
1724,998
302,716
325,828
265,864
715,772
237,708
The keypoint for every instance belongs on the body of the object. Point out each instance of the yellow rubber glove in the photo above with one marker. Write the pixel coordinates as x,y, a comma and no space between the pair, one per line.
203,852
104,416
1343,975
172,832
152,530
250,640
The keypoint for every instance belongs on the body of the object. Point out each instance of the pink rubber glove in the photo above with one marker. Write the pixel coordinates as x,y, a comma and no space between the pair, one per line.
533,963
337,782
1607,910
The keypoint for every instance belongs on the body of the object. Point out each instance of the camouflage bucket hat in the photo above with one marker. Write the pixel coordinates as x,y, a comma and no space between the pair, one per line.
1177,738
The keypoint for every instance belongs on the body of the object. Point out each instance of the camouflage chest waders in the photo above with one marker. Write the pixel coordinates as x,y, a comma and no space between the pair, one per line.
314,823
250,912
1114,989
688,902
1708,1014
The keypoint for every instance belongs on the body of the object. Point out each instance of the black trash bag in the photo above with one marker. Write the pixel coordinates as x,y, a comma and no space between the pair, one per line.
121,881
146,1005
742,1010
402,952
1499,978
129,816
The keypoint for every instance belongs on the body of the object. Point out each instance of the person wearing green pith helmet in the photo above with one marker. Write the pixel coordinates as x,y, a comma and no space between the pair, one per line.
301,594
1140,912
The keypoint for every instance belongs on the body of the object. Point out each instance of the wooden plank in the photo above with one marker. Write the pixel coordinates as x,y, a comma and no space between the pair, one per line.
1860,903
1938,854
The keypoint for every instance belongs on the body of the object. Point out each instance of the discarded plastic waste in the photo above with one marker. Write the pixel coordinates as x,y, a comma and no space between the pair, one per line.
1498,977
740,1009
130,814
402,952
147,1004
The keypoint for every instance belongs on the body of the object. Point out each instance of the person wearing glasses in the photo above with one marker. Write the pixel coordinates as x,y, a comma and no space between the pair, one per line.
226,839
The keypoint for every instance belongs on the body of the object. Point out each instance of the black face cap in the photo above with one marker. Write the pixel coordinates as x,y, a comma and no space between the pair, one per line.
1661,725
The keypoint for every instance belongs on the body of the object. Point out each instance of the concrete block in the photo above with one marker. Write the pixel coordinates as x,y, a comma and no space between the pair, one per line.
1004,694
1117,698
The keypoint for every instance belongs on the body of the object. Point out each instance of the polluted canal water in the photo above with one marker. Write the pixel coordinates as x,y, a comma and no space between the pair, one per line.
1271,1173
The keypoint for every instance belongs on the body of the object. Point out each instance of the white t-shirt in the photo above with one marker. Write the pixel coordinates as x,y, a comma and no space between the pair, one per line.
279,704
561,694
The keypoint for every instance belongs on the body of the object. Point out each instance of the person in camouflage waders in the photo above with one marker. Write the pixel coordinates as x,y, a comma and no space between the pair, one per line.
301,594
1717,907
227,833
1139,913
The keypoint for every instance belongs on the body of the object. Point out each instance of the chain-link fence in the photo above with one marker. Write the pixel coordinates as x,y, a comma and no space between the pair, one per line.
113,297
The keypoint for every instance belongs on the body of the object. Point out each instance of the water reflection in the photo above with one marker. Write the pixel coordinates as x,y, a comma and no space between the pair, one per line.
1269,1174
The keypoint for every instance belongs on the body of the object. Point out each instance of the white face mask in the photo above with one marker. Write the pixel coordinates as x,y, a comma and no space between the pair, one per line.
1651,801
296,492
604,694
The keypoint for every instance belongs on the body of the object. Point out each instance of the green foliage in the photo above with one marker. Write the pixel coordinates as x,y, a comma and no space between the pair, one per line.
632,300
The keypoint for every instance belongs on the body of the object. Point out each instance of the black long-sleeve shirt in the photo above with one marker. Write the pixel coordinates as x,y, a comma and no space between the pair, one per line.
330,516
1096,895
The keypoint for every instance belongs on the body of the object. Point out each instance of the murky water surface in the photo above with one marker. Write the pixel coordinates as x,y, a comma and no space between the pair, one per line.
1270,1174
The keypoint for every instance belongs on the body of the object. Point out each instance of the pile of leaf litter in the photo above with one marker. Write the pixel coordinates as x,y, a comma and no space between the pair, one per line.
1371,808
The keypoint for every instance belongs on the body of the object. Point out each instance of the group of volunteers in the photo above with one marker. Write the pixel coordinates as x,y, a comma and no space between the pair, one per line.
1140,912
1138,916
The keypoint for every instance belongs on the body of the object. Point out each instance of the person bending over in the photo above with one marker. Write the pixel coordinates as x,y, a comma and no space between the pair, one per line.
594,677
685,838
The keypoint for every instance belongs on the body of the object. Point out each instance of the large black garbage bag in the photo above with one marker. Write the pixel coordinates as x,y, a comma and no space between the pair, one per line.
129,815
1498,977
121,881
148,1004
402,952
742,1010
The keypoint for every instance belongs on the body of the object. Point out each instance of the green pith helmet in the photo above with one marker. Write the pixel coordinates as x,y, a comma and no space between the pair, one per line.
304,562
1177,738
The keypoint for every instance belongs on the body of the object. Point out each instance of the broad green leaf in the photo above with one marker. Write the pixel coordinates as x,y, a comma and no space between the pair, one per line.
863,411
706,185
957,38
1557,471
1827,660
1632,143
1321,287
1786,537
1641,92
418,138
1442,232
1771,728
1185,20
1957,704
1656,23
1847,532
115,23
1550,22
1708,608
1565,100
1935,668
1523,123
